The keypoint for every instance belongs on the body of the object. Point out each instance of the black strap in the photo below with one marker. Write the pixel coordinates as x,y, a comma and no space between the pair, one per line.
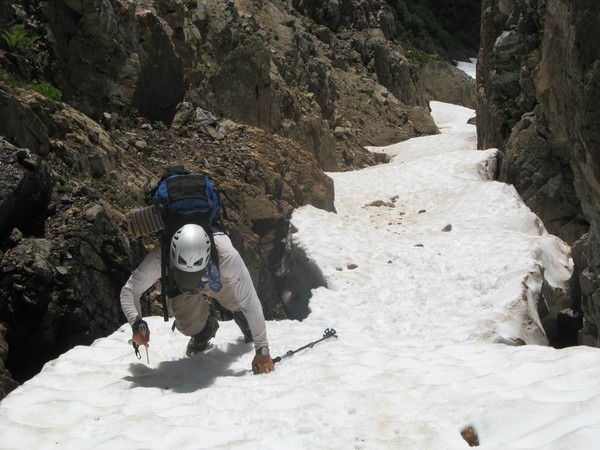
164,277
221,194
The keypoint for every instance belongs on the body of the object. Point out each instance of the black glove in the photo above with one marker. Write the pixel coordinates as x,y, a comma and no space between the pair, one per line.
141,326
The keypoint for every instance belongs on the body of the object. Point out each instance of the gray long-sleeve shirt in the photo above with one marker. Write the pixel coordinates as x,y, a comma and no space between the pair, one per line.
235,278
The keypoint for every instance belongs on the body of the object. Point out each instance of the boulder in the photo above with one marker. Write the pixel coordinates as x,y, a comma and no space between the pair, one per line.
72,137
446,83
25,187
7,384
20,124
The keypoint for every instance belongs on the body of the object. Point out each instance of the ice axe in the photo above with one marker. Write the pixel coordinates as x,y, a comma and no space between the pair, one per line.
143,329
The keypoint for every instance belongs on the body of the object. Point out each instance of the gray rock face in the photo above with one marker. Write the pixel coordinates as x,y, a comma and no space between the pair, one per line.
114,57
244,74
538,100
576,118
516,115
510,57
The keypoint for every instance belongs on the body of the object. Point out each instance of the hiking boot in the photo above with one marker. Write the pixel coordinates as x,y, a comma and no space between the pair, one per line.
199,342
241,321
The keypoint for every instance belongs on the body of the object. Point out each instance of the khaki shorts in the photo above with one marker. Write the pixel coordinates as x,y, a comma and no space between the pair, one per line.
191,311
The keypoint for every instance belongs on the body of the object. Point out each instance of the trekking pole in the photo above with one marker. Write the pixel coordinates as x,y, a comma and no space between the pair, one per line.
329,332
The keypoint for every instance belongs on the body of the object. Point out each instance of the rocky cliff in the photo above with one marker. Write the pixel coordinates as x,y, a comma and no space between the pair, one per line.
334,84
538,96
261,96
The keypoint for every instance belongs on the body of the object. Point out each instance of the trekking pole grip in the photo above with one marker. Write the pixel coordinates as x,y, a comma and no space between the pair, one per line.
329,332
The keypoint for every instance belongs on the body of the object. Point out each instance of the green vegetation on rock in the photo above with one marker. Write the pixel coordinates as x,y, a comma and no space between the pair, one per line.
44,88
18,39
47,90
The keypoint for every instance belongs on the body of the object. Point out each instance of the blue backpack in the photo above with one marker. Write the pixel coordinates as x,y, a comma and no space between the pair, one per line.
187,198
181,197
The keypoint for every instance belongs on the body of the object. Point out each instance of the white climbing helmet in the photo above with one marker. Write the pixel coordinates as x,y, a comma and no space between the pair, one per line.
190,248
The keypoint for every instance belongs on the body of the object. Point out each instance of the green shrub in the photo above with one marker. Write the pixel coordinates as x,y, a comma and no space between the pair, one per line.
47,90
18,39
44,88
190,3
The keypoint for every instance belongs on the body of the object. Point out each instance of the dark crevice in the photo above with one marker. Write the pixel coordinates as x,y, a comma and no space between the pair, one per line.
300,276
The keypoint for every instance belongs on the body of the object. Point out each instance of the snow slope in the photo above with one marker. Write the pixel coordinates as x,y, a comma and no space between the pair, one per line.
417,310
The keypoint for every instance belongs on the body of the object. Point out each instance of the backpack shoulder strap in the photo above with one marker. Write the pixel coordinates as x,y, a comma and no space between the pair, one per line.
164,279
164,241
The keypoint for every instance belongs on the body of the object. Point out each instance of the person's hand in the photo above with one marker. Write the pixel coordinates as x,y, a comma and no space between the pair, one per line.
141,333
262,364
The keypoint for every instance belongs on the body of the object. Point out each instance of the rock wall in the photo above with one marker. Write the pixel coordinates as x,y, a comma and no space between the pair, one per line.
538,96
113,56
301,70
514,113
